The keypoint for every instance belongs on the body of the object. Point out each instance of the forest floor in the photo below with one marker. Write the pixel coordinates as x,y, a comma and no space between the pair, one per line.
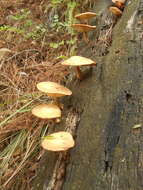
36,36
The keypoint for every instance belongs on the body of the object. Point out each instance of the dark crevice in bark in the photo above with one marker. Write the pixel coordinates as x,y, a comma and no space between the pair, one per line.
128,96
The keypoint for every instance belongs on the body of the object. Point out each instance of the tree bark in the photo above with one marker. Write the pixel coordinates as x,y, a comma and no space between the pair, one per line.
104,108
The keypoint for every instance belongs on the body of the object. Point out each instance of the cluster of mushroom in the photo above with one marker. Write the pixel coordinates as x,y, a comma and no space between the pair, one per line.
84,27
59,141
118,7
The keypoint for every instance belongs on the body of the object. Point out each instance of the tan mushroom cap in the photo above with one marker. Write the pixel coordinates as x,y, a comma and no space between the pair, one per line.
78,61
115,11
83,27
86,15
47,111
53,89
60,141
120,1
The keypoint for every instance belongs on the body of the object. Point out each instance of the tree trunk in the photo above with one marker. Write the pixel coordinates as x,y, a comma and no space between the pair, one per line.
105,112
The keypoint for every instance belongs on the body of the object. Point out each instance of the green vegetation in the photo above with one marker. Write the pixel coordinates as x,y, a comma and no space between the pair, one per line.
25,26
36,42
28,28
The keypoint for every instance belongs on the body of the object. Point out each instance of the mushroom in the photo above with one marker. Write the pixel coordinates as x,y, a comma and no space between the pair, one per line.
85,16
78,61
116,11
119,3
53,89
47,111
59,141
84,28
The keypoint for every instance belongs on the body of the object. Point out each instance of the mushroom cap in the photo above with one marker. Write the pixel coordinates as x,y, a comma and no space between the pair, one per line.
53,89
78,61
120,1
46,111
59,141
115,11
86,15
83,27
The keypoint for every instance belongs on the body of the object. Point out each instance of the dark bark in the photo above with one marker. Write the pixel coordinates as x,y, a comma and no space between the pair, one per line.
103,110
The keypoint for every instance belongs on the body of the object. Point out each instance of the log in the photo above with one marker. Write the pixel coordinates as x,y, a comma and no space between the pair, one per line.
105,113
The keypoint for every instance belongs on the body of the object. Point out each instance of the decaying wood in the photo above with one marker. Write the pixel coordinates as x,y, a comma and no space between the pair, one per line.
109,102
57,178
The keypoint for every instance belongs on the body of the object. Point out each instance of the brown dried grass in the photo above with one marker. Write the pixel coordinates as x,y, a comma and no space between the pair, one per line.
29,62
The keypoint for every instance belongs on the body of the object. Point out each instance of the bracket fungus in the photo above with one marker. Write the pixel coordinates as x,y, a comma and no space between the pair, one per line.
47,111
85,16
59,141
78,61
116,11
54,90
84,28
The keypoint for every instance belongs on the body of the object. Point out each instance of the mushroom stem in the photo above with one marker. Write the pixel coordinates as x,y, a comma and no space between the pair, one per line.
57,120
78,73
56,101
85,37
86,21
